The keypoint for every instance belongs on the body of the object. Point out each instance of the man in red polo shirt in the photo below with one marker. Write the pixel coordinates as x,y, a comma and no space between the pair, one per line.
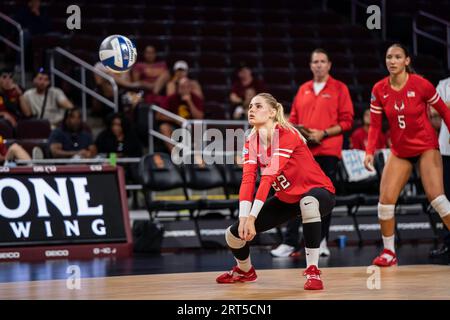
322,110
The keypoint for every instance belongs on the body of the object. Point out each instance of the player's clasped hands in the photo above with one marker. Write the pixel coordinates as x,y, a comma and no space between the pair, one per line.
246,228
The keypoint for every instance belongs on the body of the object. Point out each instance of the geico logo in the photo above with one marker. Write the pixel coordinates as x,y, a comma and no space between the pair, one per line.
38,169
57,253
9,255
4,169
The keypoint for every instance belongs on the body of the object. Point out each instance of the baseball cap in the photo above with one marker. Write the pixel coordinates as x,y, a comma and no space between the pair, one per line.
180,65
41,70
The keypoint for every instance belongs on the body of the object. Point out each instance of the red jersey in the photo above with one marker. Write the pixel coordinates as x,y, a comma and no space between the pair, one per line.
332,106
406,111
287,165
359,138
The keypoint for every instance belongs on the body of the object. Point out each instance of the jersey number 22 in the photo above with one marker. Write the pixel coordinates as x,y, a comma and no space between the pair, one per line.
284,184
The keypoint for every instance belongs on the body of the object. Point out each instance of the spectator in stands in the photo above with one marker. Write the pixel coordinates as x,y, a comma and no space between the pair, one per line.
443,89
11,98
128,95
358,139
70,140
44,101
153,75
119,138
33,19
180,71
185,103
243,90
11,153
322,110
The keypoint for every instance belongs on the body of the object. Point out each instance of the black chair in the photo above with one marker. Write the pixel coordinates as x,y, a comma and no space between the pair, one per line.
34,133
206,177
168,177
345,199
33,129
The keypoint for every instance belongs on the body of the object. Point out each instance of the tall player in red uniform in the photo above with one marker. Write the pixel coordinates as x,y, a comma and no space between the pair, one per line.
403,97
301,188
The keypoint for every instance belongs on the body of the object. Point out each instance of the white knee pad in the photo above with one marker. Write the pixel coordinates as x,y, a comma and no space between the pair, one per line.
441,205
232,241
386,211
309,207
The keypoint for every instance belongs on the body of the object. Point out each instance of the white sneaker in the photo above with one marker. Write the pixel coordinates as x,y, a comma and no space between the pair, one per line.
323,249
37,153
283,250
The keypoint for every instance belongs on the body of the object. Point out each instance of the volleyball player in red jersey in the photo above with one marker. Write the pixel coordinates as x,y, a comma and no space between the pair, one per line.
301,188
403,97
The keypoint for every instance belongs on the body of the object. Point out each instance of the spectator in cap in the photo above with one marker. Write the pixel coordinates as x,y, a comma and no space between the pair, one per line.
45,102
181,70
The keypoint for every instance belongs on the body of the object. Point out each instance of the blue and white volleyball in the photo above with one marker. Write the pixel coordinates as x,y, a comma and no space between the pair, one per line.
118,53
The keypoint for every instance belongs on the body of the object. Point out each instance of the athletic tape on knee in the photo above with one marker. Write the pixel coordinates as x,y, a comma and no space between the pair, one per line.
309,207
386,211
441,205
232,241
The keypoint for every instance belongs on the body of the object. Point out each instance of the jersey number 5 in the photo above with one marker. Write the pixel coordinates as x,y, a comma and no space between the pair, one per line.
284,184
401,121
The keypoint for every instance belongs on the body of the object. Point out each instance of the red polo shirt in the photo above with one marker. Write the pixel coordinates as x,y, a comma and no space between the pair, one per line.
330,107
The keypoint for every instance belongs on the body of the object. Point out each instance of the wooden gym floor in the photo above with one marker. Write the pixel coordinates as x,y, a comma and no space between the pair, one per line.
343,283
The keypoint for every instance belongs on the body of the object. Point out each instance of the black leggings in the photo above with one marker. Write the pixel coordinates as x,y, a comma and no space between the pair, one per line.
328,164
275,212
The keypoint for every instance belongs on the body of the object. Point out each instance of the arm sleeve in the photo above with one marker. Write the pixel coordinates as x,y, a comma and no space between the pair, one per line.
280,157
247,188
345,109
433,99
376,118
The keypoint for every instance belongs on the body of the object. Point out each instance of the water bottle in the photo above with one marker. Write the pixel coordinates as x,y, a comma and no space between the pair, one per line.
113,159
342,241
